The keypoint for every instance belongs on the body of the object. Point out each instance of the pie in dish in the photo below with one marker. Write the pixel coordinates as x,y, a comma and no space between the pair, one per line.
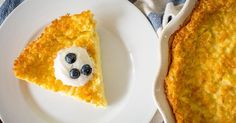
201,81
37,63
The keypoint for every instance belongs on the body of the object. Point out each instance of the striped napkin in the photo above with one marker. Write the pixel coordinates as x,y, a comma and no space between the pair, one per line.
158,12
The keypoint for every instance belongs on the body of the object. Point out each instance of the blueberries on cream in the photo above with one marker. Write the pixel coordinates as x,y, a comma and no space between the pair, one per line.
73,66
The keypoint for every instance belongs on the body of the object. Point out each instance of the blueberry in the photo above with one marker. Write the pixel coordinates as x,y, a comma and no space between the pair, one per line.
86,69
70,58
74,73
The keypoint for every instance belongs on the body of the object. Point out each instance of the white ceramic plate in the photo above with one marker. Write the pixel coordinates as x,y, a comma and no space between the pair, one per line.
130,62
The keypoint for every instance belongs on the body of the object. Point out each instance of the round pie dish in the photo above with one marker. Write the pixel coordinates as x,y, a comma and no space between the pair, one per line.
164,41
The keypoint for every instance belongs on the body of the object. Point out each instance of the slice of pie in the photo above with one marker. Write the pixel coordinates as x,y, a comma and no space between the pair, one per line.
38,63
201,82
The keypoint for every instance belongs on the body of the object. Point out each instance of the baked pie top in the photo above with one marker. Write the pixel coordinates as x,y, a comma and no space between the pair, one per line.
201,81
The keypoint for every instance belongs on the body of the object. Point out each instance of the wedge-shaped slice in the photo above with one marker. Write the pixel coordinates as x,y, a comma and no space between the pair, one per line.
35,63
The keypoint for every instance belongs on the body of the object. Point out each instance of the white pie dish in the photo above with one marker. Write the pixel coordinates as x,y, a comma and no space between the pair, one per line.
168,30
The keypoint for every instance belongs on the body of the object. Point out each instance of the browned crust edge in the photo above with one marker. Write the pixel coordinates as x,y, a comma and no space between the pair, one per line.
171,47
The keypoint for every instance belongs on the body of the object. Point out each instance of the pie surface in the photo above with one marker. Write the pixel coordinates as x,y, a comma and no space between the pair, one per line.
35,62
201,81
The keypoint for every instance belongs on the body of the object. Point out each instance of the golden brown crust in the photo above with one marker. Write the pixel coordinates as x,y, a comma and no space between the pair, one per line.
35,63
201,80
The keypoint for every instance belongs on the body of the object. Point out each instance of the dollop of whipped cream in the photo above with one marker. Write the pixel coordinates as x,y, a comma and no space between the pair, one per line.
62,68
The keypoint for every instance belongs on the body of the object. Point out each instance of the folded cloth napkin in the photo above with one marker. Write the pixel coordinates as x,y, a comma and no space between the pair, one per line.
158,12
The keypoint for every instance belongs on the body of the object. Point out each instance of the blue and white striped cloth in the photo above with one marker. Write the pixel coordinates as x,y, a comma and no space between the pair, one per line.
158,12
